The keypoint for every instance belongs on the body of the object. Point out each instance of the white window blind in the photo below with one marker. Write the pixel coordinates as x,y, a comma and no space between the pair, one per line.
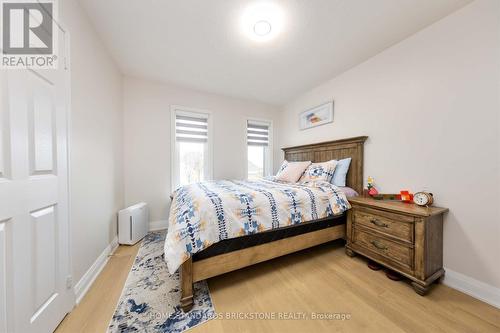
191,128
191,146
257,134
259,148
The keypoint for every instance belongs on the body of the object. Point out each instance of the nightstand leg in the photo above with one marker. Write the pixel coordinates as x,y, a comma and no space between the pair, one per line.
439,280
350,252
420,289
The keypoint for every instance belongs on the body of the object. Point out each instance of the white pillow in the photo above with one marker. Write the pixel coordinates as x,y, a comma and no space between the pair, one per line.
290,172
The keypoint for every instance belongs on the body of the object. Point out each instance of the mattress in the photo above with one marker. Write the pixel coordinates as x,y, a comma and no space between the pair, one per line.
243,242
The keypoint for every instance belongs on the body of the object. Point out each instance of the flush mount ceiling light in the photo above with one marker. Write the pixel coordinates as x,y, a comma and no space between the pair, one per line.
262,21
262,28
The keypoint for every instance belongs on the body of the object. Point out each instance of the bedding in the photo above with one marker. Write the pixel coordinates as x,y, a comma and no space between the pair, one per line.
349,192
319,171
205,213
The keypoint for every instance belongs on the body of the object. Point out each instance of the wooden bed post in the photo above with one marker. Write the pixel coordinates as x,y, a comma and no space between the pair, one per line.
187,285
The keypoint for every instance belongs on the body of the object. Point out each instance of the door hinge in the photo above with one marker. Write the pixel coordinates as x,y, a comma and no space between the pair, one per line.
69,282
65,63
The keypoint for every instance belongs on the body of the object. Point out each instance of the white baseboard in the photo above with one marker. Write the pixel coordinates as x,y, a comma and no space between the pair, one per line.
472,287
158,225
89,277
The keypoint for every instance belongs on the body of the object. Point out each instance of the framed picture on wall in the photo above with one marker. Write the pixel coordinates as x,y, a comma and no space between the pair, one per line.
316,116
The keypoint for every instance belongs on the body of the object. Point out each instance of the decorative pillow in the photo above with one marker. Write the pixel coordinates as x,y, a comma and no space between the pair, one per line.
282,167
319,172
340,173
290,172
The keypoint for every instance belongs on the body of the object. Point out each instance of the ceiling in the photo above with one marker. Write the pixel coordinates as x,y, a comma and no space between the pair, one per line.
199,44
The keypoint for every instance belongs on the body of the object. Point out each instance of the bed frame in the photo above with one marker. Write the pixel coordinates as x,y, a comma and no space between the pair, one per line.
319,152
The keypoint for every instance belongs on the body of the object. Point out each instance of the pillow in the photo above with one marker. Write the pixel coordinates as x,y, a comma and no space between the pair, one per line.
349,192
290,172
319,172
282,167
340,173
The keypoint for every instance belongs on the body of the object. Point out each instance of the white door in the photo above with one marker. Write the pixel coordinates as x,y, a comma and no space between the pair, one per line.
34,235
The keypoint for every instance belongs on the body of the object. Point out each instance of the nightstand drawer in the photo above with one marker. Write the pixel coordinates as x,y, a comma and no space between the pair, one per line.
398,226
390,250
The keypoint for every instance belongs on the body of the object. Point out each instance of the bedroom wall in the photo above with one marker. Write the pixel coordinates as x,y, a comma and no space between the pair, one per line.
96,163
147,139
430,106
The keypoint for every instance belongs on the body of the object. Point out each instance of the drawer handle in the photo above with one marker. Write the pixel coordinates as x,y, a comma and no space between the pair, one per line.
378,223
378,245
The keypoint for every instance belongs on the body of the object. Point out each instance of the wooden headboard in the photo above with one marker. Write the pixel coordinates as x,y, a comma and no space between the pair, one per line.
334,150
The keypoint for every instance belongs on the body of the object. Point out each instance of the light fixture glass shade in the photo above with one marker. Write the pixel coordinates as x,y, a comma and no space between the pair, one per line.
262,28
262,21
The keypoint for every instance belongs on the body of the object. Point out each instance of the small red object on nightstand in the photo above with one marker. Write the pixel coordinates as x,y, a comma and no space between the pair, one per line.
406,196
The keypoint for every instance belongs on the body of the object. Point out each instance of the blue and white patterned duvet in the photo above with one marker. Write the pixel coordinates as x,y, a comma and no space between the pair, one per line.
205,213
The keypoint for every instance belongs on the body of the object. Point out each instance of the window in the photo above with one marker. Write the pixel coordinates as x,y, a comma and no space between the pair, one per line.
259,149
192,153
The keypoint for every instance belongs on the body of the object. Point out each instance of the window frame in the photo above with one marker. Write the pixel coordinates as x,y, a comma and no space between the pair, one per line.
268,160
174,145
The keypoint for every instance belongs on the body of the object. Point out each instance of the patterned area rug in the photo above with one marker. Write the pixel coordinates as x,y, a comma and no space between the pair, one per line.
151,296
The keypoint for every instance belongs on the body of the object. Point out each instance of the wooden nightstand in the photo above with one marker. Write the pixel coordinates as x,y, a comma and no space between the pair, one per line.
403,237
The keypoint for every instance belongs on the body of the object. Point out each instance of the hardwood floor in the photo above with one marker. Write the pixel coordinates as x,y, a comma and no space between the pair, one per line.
96,308
318,280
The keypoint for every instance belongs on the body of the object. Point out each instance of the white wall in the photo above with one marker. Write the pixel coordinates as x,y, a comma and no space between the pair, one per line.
430,106
147,138
96,161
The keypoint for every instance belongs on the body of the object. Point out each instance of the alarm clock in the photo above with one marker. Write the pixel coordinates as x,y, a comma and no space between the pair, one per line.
423,198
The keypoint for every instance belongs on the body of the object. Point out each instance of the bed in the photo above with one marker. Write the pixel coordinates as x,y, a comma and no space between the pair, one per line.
221,250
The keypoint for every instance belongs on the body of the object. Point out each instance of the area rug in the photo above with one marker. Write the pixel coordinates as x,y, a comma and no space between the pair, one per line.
151,297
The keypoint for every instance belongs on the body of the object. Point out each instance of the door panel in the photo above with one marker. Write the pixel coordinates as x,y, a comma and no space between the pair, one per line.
44,226
5,275
42,127
34,229
4,130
